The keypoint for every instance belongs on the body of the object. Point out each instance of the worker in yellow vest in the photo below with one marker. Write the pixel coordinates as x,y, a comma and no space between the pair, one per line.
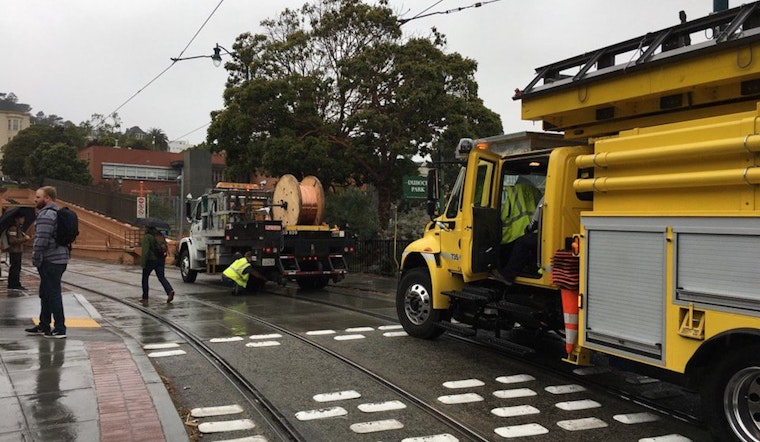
239,272
518,237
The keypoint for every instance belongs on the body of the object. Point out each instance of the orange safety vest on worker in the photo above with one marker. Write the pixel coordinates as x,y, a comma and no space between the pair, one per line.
517,210
236,271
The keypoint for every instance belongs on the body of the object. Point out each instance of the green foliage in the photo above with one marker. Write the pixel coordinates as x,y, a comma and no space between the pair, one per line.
58,161
353,209
158,140
408,223
23,145
332,90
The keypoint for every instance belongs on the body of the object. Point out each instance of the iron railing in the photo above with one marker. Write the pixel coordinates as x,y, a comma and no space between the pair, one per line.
378,256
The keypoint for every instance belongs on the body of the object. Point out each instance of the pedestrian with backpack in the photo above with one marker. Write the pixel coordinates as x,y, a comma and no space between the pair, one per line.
51,259
154,251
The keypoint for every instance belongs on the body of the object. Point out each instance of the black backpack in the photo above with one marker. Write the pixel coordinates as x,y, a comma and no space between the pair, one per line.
160,249
66,227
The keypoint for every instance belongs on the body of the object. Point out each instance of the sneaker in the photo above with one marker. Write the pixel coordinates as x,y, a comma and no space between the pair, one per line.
170,297
36,330
55,335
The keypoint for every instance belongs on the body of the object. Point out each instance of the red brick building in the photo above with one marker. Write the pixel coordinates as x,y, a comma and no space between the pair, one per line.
124,169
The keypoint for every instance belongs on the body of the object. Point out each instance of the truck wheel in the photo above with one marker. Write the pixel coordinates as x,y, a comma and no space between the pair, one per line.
188,275
731,396
315,283
414,305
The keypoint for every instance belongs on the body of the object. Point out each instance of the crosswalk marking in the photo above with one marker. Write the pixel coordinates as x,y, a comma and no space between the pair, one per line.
269,336
321,413
460,398
223,426
514,379
583,404
337,396
514,393
381,406
372,427
216,411
464,383
262,344
518,410
586,423
163,354
564,389
444,437
636,418
525,430
320,332
230,339
348,337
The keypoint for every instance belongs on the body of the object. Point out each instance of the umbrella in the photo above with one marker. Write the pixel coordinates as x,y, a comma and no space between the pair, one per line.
7,219
153,222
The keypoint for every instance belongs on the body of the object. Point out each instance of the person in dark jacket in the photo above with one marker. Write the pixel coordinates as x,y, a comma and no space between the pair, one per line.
51,260
150,261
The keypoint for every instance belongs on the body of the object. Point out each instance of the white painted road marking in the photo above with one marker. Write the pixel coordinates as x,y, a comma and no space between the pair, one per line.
320,332
230,339
636,418
514,431
460,398
161,346
444,437
519,410
666,438
395,334
223,426
514,393
587,423
359,329
337,396
584,404
381,406
348,337
262,344
216,411
390,327
371,427
588,371
269,336
321,413
515,379
564,389
464,383
163,354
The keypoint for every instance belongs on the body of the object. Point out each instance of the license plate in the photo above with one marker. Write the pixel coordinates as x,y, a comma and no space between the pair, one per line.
267,262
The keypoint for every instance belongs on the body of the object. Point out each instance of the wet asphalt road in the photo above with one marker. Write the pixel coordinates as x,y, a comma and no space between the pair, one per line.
496,394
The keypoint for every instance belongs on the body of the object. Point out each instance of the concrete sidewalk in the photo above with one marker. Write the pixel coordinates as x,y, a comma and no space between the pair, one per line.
94,385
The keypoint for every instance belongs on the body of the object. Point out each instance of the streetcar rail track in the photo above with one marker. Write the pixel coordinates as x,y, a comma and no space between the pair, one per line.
561,371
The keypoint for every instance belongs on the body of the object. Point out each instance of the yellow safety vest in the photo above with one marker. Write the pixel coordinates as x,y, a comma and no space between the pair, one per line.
235,271
517,211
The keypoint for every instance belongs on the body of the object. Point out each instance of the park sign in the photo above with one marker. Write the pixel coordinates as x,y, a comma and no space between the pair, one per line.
415,187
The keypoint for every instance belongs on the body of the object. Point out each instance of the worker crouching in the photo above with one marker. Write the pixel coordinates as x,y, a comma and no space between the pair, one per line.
238,273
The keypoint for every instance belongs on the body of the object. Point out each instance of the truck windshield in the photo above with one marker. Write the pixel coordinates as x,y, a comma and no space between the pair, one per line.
456,195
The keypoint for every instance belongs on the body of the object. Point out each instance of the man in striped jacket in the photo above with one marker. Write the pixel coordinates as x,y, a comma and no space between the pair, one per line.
51,259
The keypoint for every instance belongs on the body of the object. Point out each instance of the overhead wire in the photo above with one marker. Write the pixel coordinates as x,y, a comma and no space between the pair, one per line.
190,133
448,11
174,61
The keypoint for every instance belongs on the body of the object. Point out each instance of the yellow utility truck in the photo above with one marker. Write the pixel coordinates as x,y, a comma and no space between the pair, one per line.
646,225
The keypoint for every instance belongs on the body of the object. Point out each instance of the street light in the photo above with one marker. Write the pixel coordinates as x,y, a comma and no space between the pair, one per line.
217,57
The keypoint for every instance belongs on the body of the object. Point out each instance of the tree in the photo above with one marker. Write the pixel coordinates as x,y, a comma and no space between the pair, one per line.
332,90
158,139
9,102
21,147
58,161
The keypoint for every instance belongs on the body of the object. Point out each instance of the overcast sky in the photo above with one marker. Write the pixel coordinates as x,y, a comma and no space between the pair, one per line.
75,58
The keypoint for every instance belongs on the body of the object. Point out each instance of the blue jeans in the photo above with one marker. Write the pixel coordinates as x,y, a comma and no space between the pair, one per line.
50,296
158,266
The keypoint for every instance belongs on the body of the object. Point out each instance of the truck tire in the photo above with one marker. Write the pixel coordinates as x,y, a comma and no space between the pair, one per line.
414,305
731,395
188,275
313,283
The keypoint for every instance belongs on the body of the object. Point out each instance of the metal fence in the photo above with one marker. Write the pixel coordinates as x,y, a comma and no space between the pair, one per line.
378,256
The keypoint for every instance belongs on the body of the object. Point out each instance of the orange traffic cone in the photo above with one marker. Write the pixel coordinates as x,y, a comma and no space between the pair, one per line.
570,308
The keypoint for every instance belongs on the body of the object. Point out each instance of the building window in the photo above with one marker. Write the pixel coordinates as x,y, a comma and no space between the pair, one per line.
135,172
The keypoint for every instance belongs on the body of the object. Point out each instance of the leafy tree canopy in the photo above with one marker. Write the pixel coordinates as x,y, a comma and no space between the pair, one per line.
158,140
333,90
21,147
58,161
9,102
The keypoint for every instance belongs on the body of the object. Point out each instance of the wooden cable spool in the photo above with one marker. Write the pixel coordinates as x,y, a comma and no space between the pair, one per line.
295,203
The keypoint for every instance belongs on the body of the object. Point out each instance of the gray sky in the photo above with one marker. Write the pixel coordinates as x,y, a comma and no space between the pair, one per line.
75,58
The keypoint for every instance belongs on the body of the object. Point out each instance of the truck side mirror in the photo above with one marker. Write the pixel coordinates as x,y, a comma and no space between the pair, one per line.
432,193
